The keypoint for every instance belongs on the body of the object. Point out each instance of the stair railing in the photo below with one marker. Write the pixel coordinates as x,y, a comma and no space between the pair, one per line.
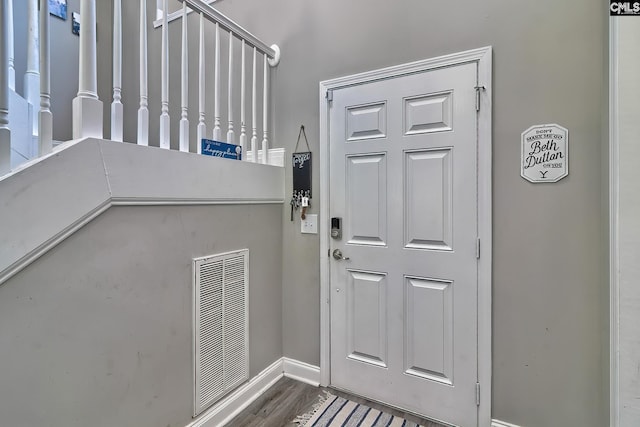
37,81
88,108
236,35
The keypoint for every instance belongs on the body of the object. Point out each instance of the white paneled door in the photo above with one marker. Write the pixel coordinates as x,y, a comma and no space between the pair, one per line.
404,279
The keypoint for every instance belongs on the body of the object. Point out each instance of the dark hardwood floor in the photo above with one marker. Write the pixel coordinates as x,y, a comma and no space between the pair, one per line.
279,405
288,398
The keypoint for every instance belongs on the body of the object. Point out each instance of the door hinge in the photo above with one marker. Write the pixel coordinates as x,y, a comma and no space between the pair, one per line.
478,248
477,394
478,90
329,253
329,95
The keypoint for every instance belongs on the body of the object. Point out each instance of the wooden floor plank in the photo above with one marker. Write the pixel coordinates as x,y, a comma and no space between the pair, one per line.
280,405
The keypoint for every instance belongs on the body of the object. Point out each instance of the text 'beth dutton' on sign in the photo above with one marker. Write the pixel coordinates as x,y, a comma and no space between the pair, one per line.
545,153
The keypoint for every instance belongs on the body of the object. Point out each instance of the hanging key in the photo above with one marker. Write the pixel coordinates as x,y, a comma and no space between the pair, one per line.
293,204
305,204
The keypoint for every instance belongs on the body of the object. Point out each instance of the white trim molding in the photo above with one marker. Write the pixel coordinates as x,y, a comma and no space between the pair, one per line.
614,405
229,407
483,58
498,423
232,405
301,371
100,174
624,210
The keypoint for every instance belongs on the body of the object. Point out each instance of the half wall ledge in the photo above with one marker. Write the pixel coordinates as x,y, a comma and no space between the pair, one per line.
55,196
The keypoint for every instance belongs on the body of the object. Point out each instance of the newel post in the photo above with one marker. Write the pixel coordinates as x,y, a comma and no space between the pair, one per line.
32,75
5,133
10,39
45,117
87,107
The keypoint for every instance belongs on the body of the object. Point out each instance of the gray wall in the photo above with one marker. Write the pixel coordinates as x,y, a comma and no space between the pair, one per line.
98,331
549,289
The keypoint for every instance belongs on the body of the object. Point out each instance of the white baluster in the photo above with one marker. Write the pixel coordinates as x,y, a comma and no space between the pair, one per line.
32,75
184,117
143,111
254,111
117,113
164,115
87,108
10,40
45,118
5,132
231,139
216,82
265,115
202,127
243,127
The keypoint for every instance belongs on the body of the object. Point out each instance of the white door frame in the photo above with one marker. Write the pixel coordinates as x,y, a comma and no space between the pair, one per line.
482,57
614,407
624,204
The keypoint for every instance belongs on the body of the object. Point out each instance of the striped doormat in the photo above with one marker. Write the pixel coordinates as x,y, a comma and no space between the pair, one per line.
335,411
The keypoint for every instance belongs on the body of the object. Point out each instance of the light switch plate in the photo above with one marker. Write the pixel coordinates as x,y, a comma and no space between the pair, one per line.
309,225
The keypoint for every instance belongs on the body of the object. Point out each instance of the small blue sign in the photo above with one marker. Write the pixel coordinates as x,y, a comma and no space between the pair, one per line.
221,149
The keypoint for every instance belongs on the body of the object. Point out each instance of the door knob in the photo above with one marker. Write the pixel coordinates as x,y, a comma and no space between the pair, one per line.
337,254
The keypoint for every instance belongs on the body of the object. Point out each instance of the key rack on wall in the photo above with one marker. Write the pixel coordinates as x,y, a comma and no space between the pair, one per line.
301,164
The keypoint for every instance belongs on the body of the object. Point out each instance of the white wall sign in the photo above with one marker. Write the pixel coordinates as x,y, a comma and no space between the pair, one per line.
545,153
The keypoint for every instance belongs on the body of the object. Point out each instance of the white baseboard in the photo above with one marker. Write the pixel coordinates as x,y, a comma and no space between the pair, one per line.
229,407
301,371
497,423
225,410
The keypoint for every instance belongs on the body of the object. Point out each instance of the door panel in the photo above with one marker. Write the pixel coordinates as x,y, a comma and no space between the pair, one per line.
428,207
366,201
403,176
430,113
429,329
366,122
367,317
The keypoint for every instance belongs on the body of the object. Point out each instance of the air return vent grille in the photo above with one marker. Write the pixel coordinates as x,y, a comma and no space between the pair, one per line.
221,326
